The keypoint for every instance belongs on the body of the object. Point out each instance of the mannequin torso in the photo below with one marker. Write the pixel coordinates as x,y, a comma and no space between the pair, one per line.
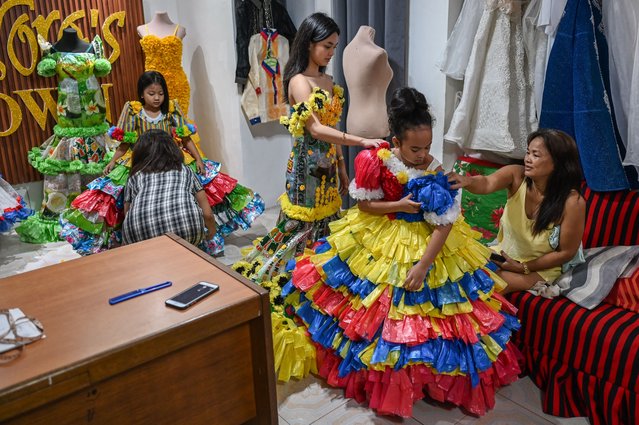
368,74
161,26
70,42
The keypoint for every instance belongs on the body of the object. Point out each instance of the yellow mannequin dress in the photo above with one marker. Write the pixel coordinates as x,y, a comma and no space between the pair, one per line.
165,56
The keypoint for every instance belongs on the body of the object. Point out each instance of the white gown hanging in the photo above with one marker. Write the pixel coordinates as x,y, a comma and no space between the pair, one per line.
621,26
496,112
460,43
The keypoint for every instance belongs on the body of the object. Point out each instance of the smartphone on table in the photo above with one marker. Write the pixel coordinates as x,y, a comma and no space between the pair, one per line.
191,295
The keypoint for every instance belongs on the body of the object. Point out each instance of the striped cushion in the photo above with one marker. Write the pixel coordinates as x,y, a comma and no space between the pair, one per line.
625,293
612,218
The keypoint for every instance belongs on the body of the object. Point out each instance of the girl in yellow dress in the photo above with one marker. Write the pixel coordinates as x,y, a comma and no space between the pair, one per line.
401,299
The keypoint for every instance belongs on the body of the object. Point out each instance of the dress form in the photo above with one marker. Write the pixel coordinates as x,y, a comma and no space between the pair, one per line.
70,42
367,74
162,26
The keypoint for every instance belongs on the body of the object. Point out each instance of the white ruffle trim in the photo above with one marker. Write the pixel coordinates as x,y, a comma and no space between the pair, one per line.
360,194
449,217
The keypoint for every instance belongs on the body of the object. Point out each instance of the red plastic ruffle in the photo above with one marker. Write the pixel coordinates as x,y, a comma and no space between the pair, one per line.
393,392
102,203
414,329
219,187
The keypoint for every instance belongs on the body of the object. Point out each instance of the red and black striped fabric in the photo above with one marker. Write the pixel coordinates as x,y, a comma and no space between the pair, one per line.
586,361
612,218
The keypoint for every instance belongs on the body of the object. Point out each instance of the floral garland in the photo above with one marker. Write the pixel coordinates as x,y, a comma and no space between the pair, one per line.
309,214
328,110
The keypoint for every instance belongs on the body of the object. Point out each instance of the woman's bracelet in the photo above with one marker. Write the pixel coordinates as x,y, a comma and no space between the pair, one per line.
340,158
526,269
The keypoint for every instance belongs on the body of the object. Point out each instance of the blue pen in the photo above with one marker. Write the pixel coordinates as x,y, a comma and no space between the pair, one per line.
138,292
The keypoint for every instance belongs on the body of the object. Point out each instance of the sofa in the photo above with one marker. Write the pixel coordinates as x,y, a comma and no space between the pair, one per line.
586,362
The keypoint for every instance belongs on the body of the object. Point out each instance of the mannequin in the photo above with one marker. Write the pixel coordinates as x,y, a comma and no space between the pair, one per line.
161,26
70,42
368,74
161,41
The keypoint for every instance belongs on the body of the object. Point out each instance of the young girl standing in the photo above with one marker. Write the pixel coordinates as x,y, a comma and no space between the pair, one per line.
163,195
93,223
316,173
401,299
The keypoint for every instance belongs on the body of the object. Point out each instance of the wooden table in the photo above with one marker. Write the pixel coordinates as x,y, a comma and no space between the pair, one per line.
139,361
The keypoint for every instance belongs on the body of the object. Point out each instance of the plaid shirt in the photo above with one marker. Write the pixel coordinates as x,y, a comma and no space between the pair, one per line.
163,202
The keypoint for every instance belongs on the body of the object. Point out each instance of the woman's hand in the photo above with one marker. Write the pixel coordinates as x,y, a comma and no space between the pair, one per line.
370,143
415,277
510,265
199,164
457,181
108,168
343,178
408,206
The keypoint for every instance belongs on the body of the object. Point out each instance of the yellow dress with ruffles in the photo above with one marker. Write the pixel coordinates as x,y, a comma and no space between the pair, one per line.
165,56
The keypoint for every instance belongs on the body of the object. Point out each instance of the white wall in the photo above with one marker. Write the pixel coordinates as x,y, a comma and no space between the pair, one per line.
430,23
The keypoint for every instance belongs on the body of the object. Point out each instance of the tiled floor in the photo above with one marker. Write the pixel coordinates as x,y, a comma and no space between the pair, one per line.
311,401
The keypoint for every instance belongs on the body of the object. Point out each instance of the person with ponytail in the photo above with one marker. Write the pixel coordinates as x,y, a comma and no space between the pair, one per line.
544,218
401,299
316,172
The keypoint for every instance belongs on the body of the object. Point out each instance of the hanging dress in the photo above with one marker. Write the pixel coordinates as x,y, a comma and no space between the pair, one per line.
263,97
496,112
576,95
80,147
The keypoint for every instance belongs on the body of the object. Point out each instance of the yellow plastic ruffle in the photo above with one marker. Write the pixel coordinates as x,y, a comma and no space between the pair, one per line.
309,214
293,351
384,250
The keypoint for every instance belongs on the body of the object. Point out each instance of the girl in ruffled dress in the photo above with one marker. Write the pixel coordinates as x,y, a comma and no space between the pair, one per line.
401,300
94,221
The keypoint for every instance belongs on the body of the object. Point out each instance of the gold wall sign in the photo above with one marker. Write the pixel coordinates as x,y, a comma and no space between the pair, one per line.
27,100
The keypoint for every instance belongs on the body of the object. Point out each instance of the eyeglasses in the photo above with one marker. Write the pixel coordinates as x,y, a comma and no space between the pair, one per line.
19,332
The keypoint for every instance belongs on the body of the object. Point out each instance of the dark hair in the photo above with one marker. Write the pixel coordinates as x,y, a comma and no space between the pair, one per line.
314,28
408,109
155,152
565,177
154,77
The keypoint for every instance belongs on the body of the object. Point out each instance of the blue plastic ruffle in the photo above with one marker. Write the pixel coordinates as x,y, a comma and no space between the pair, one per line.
434,194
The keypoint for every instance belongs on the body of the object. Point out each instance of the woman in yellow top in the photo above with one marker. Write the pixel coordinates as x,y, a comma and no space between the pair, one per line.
544,202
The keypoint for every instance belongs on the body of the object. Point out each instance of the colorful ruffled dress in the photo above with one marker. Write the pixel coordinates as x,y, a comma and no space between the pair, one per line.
164,54
312,199
93,223
387,346
80,147
12,206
